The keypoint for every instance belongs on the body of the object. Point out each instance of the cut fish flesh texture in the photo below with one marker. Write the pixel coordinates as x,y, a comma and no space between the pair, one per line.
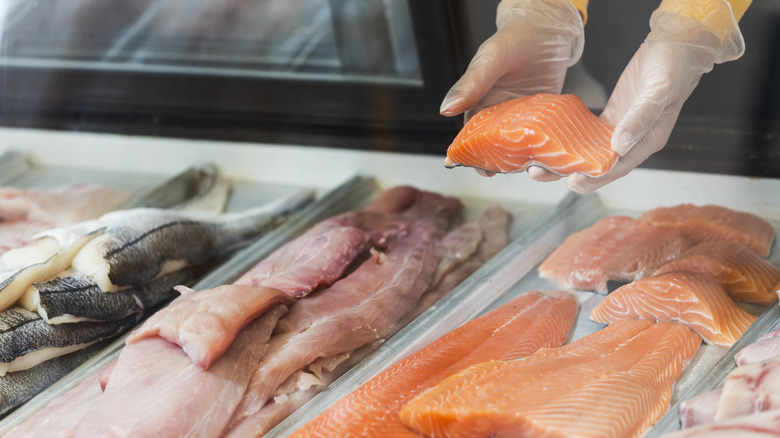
765,348
740,271
482,237
360,309
750,389
197,403
699,410
689,298
24,213
615,248
556,132
18,387
303,386
763,425
205,329
716,223
517,329
59,417
26,340
314,260
463,251
615,382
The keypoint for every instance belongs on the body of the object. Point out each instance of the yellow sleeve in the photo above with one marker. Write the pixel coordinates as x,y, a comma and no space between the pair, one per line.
713,13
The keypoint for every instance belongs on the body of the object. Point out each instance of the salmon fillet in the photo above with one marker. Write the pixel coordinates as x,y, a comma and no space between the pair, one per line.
517,329
689,298
553,131
740,271
615,382
713,222
614,248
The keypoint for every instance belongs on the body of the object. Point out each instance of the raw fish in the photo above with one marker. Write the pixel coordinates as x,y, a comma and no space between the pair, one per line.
715,223
699,410
36,262
765,348
517,329
26,340
463,251
171,396
205,331
360,309
136,245
59,417
314,260
750,389
740,271
689,298
74,297
24,213
614,248
615,382
18,387
556,132
763,425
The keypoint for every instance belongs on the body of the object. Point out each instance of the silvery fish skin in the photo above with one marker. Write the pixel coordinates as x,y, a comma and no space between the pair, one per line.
38,261
19,387
76,297
27,340
136,245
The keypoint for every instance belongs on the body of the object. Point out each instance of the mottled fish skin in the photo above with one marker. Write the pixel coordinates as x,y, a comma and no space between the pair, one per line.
38,261
137,243
77,298
23,332
18,387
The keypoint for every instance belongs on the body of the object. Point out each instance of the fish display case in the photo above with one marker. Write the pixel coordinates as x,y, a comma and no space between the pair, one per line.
280,96
347,180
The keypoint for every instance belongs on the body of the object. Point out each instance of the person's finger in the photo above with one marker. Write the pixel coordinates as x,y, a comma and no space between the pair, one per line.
541,174
485,69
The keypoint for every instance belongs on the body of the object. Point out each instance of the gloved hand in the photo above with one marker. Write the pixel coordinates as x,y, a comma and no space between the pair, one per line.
650,92
535,41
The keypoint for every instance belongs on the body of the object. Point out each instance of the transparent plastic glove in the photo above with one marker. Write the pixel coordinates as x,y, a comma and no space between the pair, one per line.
650,93
535,41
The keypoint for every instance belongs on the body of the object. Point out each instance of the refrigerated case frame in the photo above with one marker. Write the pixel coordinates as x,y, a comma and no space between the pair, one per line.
362,112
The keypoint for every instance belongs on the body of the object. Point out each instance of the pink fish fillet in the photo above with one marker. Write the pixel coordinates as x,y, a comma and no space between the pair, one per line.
360,309
615,248
205,327
765,348
155,390
699,410
763,425
750,389
59,417
715,223
24,213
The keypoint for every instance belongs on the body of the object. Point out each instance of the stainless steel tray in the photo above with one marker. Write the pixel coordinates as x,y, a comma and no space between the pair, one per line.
355,191
511,273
